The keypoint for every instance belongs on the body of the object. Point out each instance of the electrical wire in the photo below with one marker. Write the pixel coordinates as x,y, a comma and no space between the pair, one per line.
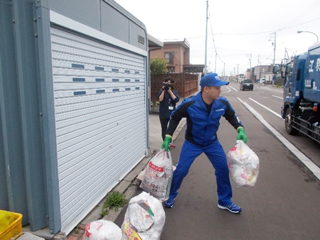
292,23
255,33
304,13
214,41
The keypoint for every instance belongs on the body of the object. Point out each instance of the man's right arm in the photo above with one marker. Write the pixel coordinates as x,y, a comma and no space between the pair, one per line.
175,118
173,123
161,95
177,115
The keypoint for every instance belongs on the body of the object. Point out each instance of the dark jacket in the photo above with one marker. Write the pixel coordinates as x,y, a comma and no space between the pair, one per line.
164,111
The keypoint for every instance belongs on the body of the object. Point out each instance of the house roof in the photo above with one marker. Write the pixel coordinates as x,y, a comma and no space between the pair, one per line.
185,43
153,42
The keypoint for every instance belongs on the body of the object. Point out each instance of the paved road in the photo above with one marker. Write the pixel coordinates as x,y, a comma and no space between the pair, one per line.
284,204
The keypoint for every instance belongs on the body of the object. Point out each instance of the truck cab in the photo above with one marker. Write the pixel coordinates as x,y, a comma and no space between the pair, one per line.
293,80
301,94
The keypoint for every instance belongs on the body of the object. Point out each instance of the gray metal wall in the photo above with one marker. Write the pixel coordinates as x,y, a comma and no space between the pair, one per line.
28,149
105,16
25,114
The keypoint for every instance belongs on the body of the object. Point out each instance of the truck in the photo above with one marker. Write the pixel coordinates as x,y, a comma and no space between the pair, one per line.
301,93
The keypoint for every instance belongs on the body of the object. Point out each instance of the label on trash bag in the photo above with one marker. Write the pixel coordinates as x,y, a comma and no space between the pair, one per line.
130,232
156,168
158,175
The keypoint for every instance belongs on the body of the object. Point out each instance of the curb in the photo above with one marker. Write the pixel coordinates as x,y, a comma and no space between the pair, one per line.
127,186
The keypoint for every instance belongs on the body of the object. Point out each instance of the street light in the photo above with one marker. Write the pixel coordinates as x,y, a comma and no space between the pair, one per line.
311,33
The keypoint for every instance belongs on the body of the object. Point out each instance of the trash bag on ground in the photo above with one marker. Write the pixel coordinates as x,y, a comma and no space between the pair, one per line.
158,175
243,165
144,218
102,230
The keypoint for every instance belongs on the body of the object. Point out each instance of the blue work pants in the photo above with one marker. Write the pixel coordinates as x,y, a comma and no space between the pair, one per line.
217,157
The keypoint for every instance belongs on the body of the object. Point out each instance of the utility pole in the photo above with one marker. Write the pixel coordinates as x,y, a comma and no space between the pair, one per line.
250,65
205,58
274,54
237,72
215,63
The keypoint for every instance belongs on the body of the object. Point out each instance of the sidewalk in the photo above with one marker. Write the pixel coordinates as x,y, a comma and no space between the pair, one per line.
129,185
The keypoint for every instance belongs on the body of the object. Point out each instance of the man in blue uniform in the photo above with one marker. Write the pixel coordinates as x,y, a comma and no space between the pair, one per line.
203,112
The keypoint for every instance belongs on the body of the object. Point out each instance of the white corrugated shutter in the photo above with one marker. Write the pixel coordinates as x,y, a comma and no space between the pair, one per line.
100,111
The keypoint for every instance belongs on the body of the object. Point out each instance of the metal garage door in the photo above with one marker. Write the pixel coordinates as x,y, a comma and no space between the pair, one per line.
100,111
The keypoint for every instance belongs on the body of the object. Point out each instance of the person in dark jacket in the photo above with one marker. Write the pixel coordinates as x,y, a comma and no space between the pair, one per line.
203,112
168,98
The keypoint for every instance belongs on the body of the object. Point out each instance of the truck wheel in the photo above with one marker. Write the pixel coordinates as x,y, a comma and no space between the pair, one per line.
288,123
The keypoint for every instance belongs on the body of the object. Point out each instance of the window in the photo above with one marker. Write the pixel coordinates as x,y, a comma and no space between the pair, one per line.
169,57
248,81
170,69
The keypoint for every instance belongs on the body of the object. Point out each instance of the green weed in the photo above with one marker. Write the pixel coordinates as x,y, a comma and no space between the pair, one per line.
114,201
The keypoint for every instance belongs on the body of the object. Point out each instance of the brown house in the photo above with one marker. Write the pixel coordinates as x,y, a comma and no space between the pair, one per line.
185,75
177,55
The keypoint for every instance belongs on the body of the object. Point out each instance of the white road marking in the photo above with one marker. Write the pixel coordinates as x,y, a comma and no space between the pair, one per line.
232,88
303,158
272,89
277,97
277,114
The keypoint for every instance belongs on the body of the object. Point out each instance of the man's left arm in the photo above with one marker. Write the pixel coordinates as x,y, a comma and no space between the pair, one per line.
233,119
176,95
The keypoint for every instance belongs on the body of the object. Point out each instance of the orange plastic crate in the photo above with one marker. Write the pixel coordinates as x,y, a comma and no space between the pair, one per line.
14,228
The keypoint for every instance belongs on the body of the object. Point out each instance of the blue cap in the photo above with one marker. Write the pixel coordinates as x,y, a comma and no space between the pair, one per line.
212,80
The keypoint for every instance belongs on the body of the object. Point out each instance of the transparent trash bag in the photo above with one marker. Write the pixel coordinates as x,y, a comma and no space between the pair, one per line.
144,218
243,165
158,175
102,230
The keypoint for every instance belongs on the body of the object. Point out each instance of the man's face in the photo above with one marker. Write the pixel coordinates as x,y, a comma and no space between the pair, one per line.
213,92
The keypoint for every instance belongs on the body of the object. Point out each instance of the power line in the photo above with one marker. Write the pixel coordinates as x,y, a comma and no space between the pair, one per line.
214,41
256,33
304,13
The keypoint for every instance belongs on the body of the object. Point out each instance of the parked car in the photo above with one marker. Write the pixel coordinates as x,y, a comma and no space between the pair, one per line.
246,84
262,80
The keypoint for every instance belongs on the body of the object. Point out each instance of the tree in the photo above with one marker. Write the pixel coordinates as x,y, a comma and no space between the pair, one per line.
158,66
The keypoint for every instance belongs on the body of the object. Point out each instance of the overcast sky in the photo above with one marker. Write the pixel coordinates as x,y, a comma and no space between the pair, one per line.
238,30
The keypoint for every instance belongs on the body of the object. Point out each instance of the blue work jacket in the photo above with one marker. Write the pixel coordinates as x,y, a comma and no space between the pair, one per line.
202,127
